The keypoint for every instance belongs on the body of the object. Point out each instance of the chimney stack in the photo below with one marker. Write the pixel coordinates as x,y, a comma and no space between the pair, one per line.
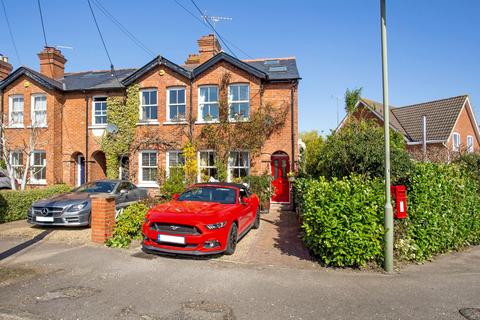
52,63
208,46
5,67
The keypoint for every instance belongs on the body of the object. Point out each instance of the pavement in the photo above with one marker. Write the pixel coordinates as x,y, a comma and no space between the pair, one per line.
54,279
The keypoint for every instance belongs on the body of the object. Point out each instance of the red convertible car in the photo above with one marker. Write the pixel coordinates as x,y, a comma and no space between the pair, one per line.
208,218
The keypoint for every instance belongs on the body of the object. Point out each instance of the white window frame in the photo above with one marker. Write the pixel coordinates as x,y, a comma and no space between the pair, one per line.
167,160
94,102
33,110
200,167
230,101
456,147
180,120
16,165
32,168
147,105
10,111
470,148
141,182
231,167
201,104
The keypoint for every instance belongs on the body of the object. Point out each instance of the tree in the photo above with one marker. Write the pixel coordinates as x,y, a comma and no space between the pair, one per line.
310,156
358,148
351,99
28,145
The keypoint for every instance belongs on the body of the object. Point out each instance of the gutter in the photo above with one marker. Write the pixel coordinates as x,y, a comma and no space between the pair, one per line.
292,119
416,143
86,137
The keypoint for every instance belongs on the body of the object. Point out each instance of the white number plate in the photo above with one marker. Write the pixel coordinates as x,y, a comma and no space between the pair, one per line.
171,239
44,219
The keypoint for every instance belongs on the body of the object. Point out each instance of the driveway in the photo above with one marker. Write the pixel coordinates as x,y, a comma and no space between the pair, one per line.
270,277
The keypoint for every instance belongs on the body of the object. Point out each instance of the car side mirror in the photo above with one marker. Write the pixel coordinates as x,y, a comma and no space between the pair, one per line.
175,196
123,191
245,200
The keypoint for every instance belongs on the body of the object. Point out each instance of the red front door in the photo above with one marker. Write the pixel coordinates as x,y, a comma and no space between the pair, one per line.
280,166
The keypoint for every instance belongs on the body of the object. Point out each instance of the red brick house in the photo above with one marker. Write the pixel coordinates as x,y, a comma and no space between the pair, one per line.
70,109
434,130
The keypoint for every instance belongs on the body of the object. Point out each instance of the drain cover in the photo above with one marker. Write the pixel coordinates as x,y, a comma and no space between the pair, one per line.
470,313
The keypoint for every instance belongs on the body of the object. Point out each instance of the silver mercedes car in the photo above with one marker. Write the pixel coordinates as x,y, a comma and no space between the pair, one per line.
74,208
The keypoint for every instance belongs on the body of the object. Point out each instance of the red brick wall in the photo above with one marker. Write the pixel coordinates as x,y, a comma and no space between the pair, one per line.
66,117
464,127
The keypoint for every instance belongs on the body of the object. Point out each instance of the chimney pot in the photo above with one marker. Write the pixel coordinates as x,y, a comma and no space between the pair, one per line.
52,63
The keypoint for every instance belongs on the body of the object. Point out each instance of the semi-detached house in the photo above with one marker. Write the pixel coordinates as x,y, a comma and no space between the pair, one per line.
70,111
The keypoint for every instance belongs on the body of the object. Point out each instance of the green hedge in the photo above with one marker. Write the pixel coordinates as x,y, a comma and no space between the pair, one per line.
128,226
342,223
444,210
14,204
343,219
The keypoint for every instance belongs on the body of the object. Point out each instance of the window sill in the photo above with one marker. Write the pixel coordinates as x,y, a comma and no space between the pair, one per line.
15,127
97,126
235,121
148,185
206,122
148,123
38,183
38,127
175,122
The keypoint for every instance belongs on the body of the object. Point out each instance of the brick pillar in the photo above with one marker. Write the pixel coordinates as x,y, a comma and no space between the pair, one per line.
103,217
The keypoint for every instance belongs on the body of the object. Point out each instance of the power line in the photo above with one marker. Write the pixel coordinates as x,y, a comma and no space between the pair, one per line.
103,41
123,28
203,23
43,26
215,31
11,33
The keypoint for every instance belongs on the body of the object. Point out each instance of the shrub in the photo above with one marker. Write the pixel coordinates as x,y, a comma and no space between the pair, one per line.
309,157
15,204
444,209
173,184
342,220
128,226
261,186
358,148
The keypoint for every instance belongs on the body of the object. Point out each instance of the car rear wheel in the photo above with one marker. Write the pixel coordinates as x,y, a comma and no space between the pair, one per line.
256,225
232,239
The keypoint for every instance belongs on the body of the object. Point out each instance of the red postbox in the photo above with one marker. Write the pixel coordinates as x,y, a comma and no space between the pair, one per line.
399,195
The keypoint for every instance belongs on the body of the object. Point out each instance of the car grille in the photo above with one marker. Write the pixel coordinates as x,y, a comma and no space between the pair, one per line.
51,211
174,228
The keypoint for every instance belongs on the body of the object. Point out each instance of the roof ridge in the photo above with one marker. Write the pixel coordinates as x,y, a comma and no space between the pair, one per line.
433,101
265,59
93,71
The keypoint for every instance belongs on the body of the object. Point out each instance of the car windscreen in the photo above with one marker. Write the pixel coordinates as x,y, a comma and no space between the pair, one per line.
97,187
209,194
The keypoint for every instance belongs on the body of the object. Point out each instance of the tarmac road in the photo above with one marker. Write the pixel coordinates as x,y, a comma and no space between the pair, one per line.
51,280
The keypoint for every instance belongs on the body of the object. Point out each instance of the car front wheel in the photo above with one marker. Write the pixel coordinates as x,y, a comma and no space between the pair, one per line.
232,239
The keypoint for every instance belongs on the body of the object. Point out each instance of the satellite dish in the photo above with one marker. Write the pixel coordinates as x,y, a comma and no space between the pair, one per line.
111,128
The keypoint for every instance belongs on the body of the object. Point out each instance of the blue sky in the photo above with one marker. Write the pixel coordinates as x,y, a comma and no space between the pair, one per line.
433,45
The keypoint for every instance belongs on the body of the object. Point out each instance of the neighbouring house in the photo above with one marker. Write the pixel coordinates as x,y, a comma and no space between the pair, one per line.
433,130
69,109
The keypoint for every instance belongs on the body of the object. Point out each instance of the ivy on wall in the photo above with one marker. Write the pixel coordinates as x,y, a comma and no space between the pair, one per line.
250,135
122,112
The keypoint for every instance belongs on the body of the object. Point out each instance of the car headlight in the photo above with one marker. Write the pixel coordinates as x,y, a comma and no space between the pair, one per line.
78,207
217,225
